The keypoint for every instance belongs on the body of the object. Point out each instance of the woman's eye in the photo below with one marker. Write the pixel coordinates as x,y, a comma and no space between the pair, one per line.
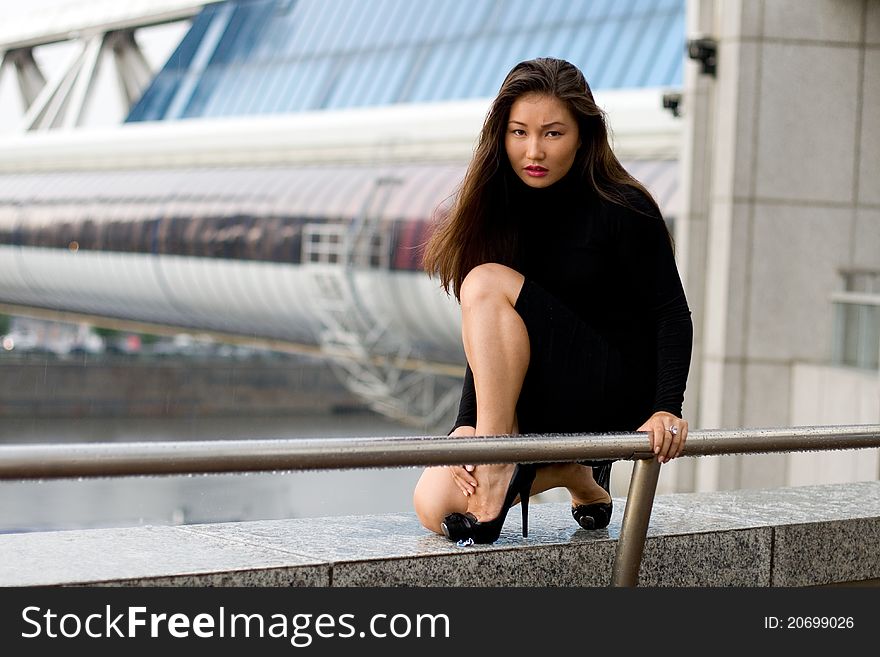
519,132
553,133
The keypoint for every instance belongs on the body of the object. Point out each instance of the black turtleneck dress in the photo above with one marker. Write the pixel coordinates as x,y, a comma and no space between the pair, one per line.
609,326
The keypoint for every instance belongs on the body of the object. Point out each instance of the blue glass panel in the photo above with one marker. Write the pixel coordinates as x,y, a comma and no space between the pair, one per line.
466,78
405,15
372,33
347,26
530,45
656,36
514,51
252,34
670,51
586,10
218,82
243,33
154,102
518,15
562,42
255,78
676,70
392,69
593,59
433,23
365,76
183,54
278,96
201,94
433,70
366,26
268,90
625,55
276,31
493,72
311,22
620,9
288,76
449,72
308,90
554,12
291,55
240,80
460,19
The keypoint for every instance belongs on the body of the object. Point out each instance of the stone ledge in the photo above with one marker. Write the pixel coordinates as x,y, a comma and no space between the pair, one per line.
805,536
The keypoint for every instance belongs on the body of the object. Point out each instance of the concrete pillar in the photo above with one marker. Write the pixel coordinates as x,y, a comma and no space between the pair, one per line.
794,200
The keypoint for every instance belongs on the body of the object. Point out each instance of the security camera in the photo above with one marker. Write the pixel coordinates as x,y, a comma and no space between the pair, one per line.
672,102
704,50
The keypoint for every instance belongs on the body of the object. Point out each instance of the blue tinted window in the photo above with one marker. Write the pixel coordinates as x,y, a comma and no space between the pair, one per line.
311,21
449,73
512,14
668,51
306,90
625,53
433,69
594,55
492,74
391,70
258,56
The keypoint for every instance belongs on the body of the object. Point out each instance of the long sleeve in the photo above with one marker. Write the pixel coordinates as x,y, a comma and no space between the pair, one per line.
675,333
656,283
674,327
467,407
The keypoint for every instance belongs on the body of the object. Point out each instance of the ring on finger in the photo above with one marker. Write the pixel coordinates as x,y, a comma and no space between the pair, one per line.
673,430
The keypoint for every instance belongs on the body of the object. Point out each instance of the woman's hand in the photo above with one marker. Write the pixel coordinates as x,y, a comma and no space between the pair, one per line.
461,474
667,433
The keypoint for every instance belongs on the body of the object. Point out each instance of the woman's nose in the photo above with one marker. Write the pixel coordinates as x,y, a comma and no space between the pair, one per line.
534,151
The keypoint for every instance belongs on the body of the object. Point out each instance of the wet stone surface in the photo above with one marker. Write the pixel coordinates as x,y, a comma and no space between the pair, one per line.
783,537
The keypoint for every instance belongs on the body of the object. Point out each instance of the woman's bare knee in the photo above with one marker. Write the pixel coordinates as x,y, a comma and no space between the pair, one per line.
435,496
490,280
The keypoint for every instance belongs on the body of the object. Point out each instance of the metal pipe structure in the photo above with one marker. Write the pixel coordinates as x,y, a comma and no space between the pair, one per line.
53,461
636,516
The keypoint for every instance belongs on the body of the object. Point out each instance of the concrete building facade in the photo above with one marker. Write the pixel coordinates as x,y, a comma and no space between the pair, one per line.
779,242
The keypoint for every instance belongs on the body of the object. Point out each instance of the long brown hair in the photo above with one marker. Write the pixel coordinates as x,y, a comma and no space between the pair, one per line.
473,231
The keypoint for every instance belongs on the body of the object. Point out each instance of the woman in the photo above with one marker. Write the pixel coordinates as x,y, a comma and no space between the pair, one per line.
574,319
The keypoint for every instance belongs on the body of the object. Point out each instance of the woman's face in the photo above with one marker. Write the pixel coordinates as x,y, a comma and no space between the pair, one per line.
542,139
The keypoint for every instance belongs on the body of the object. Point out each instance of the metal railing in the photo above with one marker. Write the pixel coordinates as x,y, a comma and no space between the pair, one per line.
54,461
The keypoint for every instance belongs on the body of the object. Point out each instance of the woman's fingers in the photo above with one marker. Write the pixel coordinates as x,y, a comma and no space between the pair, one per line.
463,478
667,433
673,437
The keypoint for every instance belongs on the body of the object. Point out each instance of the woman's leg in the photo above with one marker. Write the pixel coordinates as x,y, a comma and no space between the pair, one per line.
496,343
578,479
436,495
497,347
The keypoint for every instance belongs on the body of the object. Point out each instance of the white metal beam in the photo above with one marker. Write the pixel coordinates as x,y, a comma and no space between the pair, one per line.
82,19
132,68
403,133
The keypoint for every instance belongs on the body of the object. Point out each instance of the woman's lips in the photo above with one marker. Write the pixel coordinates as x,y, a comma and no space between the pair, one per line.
536,172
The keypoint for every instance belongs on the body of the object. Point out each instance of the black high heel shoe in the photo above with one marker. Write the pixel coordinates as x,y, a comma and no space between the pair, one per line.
464,526
598,515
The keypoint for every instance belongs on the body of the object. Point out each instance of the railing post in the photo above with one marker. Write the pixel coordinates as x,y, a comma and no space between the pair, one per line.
636,515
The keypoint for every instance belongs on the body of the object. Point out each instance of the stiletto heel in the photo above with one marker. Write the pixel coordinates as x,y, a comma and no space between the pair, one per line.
463,526
598,515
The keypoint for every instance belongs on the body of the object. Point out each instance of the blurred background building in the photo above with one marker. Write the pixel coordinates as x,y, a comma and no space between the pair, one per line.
262,173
